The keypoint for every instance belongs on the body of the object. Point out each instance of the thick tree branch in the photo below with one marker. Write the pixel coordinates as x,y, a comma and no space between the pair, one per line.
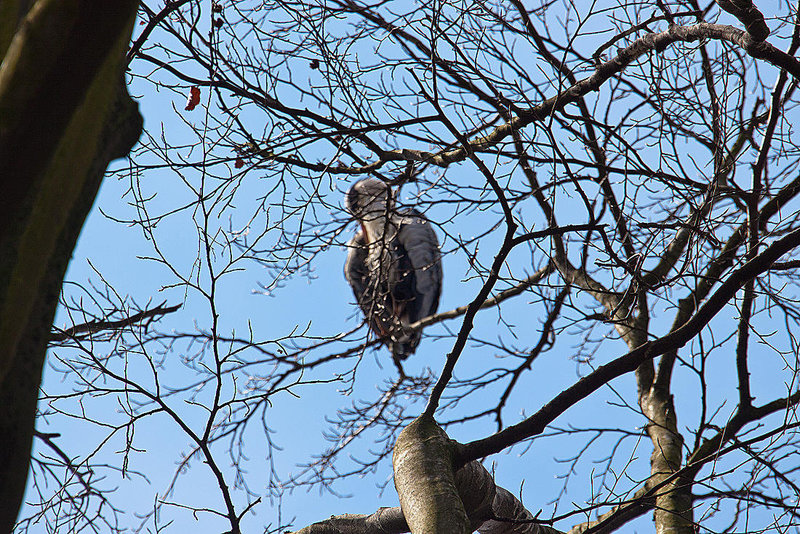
749,15
604,72
629,362
437,497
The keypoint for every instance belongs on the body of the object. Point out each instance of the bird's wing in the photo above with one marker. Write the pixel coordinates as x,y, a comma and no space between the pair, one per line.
418,239
356,270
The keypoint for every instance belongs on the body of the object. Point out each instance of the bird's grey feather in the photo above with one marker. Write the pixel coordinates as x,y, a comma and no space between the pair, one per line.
420,243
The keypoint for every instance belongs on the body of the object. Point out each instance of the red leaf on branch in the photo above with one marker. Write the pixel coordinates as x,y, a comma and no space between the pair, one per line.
194,98
239,163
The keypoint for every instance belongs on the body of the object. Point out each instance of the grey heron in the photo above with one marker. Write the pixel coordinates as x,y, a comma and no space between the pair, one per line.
393,265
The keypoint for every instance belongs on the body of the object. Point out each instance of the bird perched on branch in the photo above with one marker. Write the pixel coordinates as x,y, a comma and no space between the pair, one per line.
393,265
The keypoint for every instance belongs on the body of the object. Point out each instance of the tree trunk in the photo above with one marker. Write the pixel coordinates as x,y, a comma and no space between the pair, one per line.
64,115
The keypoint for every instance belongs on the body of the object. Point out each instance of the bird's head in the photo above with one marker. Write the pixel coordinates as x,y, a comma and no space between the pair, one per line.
369,199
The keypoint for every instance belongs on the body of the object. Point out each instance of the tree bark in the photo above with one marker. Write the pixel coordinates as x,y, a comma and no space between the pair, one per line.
424,472
435,497
64,115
